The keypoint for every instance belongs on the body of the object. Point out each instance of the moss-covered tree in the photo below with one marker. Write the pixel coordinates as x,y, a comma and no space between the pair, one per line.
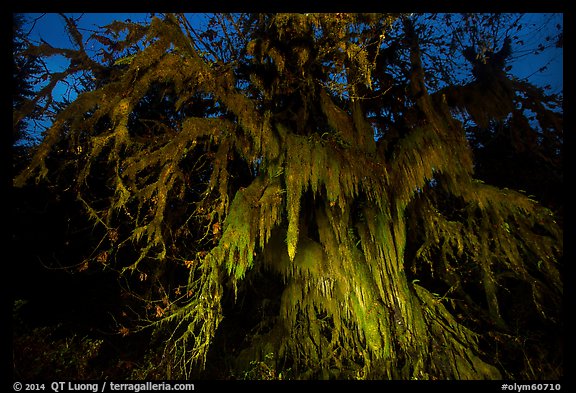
284,191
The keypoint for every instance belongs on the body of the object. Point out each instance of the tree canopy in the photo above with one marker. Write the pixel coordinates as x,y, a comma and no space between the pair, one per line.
309,194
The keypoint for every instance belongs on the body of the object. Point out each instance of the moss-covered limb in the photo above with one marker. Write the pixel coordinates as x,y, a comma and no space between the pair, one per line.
150,195
132,32
422,154
384,257
342,173
45,94
271,205
452,247
438,146
253,214
349,41
494,96
71,118
218,81
417,79
363,128
104,102
194,131
118,137
298,156
483,103
338,120
193,325
454,350
37,165
152,64
545,106
80,61
483,247
508,225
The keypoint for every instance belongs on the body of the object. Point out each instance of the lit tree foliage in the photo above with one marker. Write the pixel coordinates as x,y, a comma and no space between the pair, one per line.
294,174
